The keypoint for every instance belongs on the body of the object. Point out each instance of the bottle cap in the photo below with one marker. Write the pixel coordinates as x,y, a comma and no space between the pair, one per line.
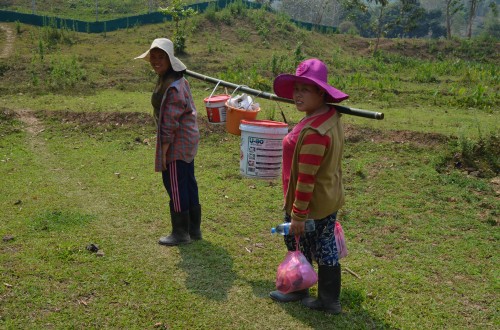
273,230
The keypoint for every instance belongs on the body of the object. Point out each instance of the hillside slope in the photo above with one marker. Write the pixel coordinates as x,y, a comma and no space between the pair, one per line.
250,48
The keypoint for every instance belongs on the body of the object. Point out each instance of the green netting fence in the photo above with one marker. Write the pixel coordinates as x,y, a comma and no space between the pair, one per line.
127,22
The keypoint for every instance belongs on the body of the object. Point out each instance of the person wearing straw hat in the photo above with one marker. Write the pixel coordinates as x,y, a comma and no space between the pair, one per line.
176,141
312,178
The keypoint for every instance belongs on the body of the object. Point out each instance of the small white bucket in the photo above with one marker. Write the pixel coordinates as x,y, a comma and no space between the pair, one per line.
261,148
216,107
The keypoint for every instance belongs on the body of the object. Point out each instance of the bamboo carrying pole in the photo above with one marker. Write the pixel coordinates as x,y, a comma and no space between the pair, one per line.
273,97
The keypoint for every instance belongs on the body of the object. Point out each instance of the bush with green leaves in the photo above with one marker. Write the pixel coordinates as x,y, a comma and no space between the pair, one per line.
481,156
179,13
65,72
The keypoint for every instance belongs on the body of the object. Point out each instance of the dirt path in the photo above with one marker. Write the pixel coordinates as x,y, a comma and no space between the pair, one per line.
9,41
58,174
33,125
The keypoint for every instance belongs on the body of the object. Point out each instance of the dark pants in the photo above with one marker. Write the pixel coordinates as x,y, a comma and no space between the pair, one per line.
319,245
181,185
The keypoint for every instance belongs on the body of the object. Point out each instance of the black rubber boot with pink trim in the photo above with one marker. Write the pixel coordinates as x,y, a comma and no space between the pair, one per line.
180,230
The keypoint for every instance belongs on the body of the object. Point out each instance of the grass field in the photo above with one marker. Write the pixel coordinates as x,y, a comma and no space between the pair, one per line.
76,167
86,10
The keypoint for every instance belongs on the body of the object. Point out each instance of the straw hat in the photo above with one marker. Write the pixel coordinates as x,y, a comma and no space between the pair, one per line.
168,47
311,71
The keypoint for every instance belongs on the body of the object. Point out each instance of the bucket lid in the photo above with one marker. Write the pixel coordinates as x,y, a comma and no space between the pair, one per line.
217,98
264,126
265,123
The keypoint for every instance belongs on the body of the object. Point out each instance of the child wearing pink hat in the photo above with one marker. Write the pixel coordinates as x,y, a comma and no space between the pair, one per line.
312,178
177,141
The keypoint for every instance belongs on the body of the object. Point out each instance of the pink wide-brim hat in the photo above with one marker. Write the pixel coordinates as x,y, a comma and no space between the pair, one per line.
311,71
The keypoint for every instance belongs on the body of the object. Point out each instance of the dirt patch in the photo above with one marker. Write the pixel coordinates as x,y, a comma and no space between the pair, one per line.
103,119
99,118
33,125
353,133
9,41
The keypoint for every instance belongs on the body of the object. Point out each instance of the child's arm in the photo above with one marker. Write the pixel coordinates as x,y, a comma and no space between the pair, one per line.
310,157
174,107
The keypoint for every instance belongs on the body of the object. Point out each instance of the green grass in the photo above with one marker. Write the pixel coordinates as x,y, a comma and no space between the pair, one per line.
422,236
421,241
84,10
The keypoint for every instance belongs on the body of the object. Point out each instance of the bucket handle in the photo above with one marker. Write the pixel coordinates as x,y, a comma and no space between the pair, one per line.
237,87
282,113
213,91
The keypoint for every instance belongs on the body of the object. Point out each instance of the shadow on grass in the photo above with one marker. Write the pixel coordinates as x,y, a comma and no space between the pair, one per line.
209,269
353,316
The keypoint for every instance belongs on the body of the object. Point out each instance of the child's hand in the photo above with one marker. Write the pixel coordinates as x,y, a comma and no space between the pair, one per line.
297,227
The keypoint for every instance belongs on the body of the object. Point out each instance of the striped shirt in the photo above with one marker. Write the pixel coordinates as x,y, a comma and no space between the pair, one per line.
177,125
315,188
289,144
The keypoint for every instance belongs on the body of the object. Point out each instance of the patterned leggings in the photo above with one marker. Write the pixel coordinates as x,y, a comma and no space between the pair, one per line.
318,245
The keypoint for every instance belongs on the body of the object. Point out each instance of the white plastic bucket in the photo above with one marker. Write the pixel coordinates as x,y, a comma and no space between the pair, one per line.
261,148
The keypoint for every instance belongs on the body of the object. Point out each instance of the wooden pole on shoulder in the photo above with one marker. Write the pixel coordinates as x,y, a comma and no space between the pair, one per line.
273,97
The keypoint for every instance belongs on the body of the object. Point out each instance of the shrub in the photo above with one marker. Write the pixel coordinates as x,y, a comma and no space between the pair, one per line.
211,12
348,27
18,27
65,72
237,8
482,156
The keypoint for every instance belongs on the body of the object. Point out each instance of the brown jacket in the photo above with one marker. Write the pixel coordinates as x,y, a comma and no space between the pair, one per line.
326,191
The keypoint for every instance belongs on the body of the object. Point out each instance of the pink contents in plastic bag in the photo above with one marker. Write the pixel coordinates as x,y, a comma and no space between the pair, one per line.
340,240
295,273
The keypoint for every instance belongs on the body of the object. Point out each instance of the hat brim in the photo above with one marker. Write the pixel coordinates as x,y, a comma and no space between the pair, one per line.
177,64
284,84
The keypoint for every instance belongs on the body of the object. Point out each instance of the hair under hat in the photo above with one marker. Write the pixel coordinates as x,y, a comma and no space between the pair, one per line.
168,47
311,71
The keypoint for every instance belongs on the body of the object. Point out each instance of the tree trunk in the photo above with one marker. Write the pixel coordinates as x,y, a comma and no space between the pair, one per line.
379,30
472,14
448,20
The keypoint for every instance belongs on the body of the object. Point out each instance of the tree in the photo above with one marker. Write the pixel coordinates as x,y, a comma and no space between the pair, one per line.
324,12
329,9
179,13
379,27
378,24
434,19
361,20
452,7
408,19
491,22
363,4
410,15
473,4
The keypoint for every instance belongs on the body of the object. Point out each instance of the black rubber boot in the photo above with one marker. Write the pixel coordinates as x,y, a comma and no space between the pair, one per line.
289,297
195,222
329,284
180,229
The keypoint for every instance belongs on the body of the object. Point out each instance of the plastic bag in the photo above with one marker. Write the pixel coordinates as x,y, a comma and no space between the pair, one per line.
340,240
295,273
243,101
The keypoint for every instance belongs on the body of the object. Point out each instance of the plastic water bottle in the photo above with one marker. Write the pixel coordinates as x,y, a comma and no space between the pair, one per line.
284,228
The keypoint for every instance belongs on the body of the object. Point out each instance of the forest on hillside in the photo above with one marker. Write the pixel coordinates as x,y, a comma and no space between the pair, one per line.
366,18
399,18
